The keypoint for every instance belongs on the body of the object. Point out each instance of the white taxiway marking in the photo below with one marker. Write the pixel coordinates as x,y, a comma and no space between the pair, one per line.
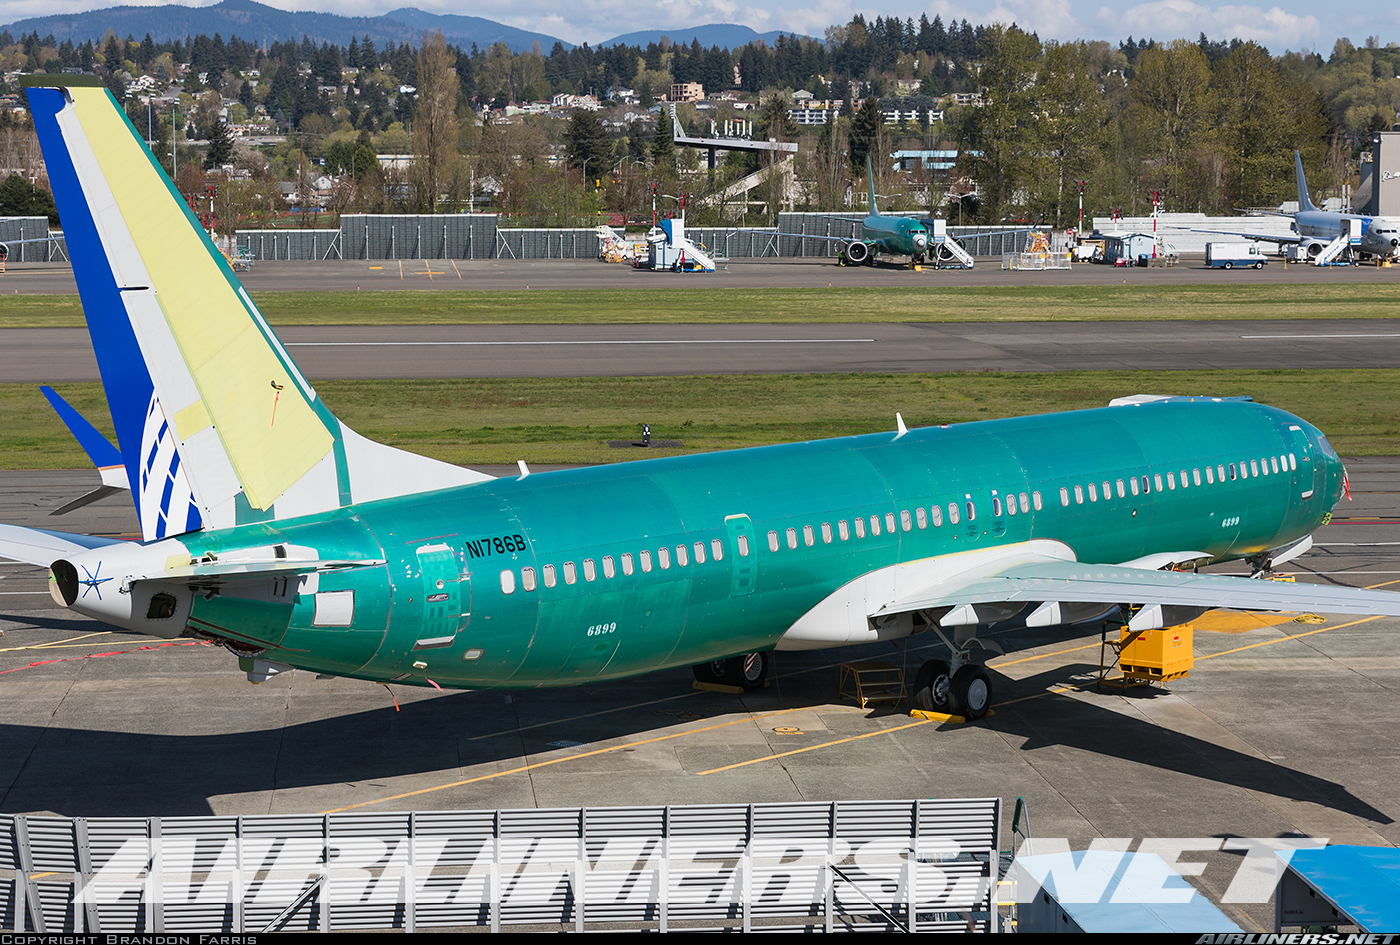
1353,544
1392,334
639,341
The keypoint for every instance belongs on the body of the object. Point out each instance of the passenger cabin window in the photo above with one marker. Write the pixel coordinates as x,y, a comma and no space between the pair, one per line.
608,569
1157,481
1232,472
1064,496
1035,499
646,561
743,543
996,507
860,528
772,541
699,550
663,558
1253,467
1093,493
936,513
1133,486
826,533
1078,495
921,517
549,580
1292,461
1220,472
889,522
844,530
953,513
1011,505
792,538
717,548
527,578
1026,504
682,558
1171,481
971,509
1184,481
1119,484
1273,463
590,570
1210,477
570,574
627,562
507,582
905,522
808,538
1106,493
874,524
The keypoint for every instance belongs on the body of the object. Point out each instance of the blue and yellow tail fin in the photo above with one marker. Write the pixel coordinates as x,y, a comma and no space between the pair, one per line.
215,423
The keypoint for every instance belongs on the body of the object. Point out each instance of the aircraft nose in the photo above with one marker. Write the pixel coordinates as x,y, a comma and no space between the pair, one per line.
920,240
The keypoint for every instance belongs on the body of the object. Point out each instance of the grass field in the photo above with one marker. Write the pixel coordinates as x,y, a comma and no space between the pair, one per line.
570,420
840,304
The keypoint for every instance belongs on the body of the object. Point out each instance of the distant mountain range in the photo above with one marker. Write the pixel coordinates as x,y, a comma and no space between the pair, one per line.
262,24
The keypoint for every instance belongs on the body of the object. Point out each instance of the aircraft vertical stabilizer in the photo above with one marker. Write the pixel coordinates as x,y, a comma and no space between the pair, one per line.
870,172
215,424
1304,202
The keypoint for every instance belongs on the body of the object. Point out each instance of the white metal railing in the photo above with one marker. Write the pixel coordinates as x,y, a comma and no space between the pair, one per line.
915,865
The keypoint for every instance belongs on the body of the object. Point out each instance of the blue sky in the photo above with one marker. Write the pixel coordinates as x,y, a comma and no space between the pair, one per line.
1287,24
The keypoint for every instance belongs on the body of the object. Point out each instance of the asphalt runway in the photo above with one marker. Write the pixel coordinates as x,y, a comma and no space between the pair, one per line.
1281,729
510,274
59,355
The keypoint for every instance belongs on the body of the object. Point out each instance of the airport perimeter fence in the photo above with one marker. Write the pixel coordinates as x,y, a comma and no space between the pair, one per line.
894,865
48,246
477,236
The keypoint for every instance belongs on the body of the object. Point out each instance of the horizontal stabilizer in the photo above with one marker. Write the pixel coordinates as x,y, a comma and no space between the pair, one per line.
43,547
224,572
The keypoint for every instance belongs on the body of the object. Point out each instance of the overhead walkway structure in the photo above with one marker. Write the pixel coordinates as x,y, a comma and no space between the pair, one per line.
714,145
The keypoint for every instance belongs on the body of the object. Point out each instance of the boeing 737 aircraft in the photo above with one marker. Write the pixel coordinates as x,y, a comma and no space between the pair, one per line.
1326,235
272,529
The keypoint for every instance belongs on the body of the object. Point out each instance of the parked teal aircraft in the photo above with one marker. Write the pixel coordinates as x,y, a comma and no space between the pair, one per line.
272,529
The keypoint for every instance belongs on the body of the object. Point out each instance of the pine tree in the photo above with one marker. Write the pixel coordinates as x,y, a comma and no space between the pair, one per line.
220,146
663,147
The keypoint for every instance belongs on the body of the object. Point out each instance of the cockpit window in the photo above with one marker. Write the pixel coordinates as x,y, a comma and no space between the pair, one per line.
1326,447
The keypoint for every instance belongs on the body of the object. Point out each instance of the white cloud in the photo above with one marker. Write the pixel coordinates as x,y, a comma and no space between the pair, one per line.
1171,19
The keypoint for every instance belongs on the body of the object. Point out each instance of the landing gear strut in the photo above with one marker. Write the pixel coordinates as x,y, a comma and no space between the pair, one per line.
747,672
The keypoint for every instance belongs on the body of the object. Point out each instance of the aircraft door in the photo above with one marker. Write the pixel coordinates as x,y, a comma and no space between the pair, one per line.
446,597
743,555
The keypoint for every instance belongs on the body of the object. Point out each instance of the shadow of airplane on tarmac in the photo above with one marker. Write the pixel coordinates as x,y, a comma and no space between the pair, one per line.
95,772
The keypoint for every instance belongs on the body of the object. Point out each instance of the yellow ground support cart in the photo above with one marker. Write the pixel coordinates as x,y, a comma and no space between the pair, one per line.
1147,656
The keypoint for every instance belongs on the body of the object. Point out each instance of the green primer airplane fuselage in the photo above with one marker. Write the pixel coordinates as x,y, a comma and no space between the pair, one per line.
897,236
607,624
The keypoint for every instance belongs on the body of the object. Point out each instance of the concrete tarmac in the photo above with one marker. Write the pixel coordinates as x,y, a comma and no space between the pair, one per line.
511,274
57,355
1281,729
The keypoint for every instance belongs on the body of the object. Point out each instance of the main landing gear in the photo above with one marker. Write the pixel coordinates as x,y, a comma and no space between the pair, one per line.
748,672
957,686
966,692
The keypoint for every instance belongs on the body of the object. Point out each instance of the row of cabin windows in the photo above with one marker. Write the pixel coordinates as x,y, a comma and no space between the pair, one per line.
1265,466
644,559
907,521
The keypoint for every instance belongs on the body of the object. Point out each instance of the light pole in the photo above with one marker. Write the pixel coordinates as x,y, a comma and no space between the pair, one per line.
1081,184
1156,198
585,173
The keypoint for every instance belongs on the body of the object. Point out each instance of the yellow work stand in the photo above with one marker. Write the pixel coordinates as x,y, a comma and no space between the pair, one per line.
872,681
1146,656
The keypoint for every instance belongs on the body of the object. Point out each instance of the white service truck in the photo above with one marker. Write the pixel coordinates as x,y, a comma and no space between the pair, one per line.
1230,255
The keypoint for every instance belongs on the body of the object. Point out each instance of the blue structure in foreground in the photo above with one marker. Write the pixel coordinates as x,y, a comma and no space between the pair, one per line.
1341,885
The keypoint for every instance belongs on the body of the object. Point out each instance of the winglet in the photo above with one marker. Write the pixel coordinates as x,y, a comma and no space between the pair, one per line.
870,170
899,423
1304,203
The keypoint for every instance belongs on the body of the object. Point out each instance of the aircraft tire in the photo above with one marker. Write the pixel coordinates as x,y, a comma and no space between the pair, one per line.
932,687
711,672
971,692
